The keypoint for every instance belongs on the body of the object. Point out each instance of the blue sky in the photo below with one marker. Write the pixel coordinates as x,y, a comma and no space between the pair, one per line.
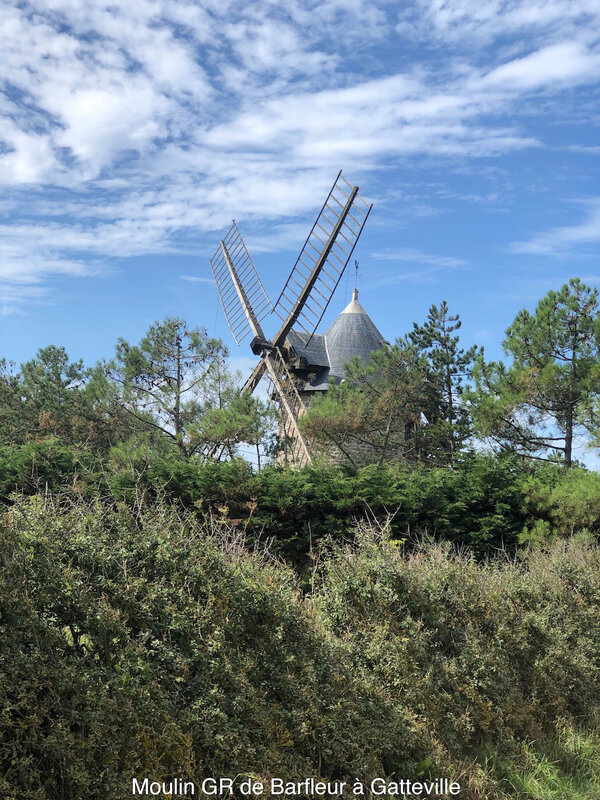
133,133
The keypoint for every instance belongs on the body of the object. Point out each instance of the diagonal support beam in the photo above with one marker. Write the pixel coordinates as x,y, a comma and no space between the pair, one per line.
253,380
270,365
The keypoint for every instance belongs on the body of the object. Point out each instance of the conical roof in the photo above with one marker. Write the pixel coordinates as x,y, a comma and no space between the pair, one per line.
353,333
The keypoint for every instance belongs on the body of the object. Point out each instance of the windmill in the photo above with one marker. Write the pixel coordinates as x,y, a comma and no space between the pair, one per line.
300,306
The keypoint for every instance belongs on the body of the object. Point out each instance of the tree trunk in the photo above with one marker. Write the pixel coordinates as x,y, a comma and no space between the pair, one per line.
569,437
386,439
177,414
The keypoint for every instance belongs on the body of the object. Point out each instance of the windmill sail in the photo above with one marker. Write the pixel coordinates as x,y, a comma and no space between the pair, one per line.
242,294
302,303
322,260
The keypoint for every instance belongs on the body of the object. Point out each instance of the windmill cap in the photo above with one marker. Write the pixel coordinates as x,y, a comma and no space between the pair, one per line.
352,333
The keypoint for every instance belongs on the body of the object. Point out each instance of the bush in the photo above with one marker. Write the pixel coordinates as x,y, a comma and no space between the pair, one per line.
562,506
489,655
48,465
146,644
484,503
147,647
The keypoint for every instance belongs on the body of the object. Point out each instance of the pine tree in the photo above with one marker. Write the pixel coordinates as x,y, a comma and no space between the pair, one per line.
448,366
537,405
176,381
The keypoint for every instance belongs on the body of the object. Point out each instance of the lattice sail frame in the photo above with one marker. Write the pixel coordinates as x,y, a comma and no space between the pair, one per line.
323,258
248,295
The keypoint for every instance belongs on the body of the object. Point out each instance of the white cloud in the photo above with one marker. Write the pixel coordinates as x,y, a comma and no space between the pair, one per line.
418,257
14,298
266,46
153,122
582,148
567,239
554,66
197,279
30,159
281,237
482,21
100,123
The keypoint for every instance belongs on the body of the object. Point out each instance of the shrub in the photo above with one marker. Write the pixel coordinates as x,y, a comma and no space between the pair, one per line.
149,644
490,655
133,647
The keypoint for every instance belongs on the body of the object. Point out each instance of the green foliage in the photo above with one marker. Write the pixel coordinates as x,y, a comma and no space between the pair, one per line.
570,769
53,397
240,417
148,647
481,504
11,405
142,634
176,382
538,404
170,396
561,506
376,414
484,503
448,365
404,404
490,655
147,644
169,379
49,465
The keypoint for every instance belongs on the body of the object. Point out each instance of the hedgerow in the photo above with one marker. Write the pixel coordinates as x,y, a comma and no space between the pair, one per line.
485,503
133,647
149,643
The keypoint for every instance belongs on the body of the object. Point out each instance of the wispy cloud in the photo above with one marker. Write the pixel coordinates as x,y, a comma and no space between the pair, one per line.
583,148
196,279
558,65
281,237
455,21
418,257
16,297
565,240
432,265
149,125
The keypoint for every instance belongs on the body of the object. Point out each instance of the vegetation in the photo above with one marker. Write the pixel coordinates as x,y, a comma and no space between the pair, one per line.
377,409
422,400
538,404
150,645
428,609
405,404
448,365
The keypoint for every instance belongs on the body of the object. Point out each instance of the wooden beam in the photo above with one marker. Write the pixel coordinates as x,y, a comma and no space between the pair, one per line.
271,366
257,373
